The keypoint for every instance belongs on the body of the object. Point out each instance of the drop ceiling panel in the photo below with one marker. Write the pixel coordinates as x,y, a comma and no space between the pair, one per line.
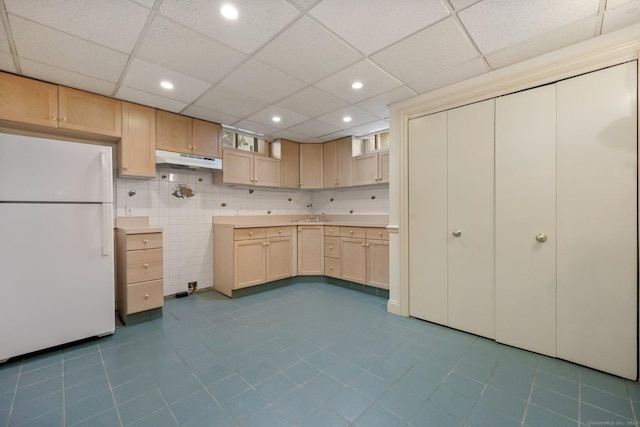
210,115
146,76
374,80
258,20
330,136
434,49
379,105
365,23
612,4
312,102
144,98
287,118
496,24
48,46
287,134
113,24
6,62
304,4
461,4
257,79
308,52
627,14
544,43
230,102
259,128
178,48
450,75
66,78
358,117
369,128
146,3
314,128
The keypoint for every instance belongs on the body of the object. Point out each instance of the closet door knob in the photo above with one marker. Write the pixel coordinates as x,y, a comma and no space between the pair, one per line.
457,233
541,237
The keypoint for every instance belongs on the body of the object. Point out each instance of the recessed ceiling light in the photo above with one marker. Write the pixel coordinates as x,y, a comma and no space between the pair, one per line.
229,11
275,119
167,85
357,85
346,119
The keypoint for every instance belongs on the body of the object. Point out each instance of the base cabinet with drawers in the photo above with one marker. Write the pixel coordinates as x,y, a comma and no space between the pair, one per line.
139,272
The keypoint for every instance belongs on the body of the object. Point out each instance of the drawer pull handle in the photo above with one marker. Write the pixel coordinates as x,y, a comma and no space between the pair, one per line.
146,296
146,266
145,241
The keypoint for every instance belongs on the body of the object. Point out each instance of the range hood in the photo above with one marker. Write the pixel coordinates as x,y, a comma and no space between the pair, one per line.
186,161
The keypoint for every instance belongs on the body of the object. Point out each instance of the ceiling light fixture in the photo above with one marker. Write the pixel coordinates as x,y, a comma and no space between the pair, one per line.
167,85
357,85
276,119
229,11
346,119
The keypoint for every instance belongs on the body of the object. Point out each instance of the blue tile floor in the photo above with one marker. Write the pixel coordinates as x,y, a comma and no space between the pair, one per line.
309,354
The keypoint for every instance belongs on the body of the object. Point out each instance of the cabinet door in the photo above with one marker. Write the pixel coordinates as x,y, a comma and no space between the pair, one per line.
138,145
174,132
525,208
206,138
365,169
353,260
237,167
88,112
28,101
311,165
248,263
279,258
470,199
378,263
428,218
266,171
289,164
383,167
344,158
310,250
330,153
597,220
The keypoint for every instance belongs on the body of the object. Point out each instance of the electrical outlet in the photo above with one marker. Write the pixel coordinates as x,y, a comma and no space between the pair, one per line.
128,211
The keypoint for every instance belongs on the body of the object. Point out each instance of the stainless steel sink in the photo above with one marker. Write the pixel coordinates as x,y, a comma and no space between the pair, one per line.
311,220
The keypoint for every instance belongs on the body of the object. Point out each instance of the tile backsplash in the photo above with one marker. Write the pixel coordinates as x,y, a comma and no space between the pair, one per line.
187,222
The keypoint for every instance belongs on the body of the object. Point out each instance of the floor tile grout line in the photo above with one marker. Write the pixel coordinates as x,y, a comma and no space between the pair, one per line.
15,393
113,397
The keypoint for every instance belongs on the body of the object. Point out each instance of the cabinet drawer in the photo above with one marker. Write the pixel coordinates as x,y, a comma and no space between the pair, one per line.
279,231
332,247
144,265
248,233
144,296
377,233
332,267
330,230
144,241
358,232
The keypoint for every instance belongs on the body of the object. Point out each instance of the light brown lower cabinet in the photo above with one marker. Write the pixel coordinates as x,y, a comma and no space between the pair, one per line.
139,272
310,250
364,256
246,257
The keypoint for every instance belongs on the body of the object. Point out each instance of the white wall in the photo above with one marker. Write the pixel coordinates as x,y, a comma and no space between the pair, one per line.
187,223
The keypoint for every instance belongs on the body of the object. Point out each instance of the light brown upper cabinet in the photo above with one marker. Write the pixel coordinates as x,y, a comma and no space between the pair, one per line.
183,134
311,165
289,154
33,102
338,163
371,168
137,149
87,112
246,168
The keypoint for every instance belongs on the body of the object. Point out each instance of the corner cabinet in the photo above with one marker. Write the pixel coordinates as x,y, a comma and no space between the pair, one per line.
311,166
338,163
137,152
310,250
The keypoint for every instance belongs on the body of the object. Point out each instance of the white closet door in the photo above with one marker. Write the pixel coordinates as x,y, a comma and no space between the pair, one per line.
471,293
597,220
525,211
428,218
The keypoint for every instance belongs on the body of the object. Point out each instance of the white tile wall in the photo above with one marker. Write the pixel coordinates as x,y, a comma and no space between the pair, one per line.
187,223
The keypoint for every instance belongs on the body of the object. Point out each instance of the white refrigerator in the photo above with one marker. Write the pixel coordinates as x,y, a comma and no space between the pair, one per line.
56,243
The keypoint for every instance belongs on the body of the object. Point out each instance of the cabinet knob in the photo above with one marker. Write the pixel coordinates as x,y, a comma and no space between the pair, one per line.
145,241
54,118
251,233
189,147
330,246
195,147
268,243
330,267
264,244
63,119
145,266
125,168
279,231
255,180
541,237
146,296
350,231
457,233
379,233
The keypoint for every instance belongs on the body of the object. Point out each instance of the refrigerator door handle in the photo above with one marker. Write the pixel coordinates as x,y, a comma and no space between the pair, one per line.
106,228
106,176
